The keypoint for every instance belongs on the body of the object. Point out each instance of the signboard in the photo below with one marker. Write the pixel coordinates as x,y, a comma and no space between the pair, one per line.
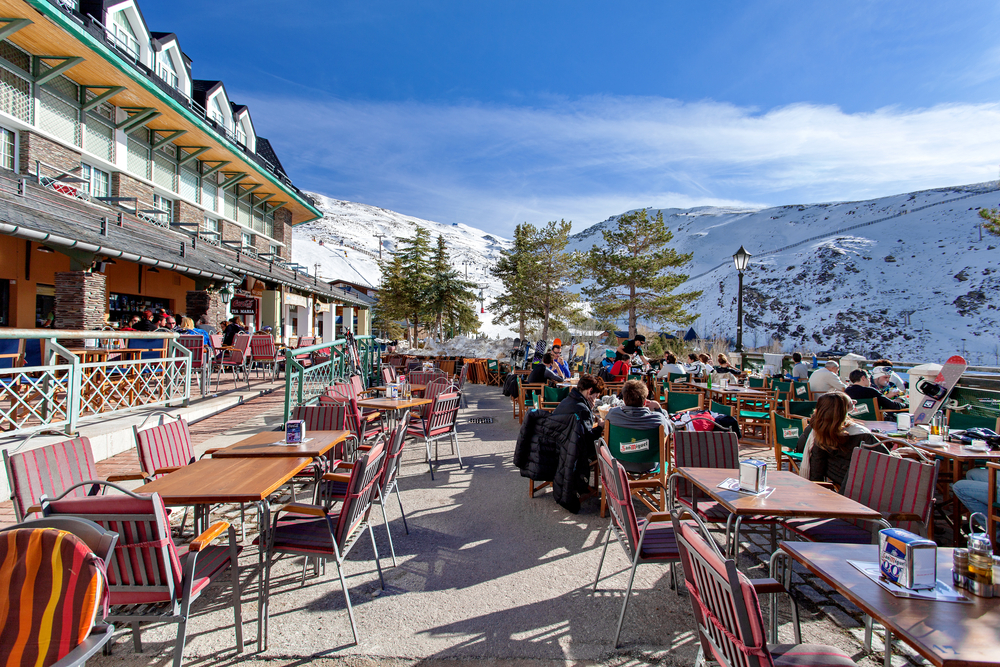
243,305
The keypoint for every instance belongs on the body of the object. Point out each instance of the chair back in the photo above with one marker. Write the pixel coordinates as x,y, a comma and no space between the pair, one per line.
54,587
758,383
216,340
893,485
325,417
614,481
195,343
678,401
528,392
800,408
865,409
443,415
726,609
704,449
553,396
677,377
156,348
48,471
342,390
961,421
493,365
304,341
799,391
388,375
358,384
33,352
357,503
145,567
262,347
11,354
426,377
351,419
463,375
164,447
720,408
634,445
785,432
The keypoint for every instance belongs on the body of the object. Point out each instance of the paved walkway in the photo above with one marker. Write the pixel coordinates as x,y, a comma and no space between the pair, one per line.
485,575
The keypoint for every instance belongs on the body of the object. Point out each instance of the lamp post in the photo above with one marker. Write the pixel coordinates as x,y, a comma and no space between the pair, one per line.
740,259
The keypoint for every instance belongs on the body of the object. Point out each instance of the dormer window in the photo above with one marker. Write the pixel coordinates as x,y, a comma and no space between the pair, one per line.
167,71
216,113
241,135
123,36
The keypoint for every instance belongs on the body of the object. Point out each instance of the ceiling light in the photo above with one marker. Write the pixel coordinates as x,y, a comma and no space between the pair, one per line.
45,249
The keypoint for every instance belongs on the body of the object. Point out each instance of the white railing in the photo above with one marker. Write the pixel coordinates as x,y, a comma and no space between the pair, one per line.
89,376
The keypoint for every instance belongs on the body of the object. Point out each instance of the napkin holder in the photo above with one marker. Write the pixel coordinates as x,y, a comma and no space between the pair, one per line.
906,559
295,431
753,476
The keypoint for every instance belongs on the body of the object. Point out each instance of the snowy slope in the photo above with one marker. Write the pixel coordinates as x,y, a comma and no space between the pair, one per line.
349,249
911,280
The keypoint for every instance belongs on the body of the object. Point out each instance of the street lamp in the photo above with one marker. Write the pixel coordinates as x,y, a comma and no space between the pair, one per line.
740,259
225,294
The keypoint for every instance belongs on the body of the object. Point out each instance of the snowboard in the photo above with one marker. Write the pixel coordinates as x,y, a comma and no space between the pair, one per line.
539,352
933,394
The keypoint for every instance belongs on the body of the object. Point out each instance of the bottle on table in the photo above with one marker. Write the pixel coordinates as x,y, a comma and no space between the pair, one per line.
980,559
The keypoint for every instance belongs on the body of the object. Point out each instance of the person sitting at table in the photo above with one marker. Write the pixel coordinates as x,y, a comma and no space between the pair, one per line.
696,367
974,490
669,366
638,413
581,402
861,387
881,380
826,379
558,360
724,366
545,371
205,325
830,439
800,371
234,327
894,379
146,322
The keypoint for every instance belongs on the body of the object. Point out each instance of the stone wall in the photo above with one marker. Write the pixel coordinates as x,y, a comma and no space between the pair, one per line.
123,185
201,302
81,300
283,231
185,212
36,147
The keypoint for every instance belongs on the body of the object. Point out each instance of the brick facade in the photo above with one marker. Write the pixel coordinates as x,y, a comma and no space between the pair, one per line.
185,212
123,185
81,300
283,231
200,302
36,147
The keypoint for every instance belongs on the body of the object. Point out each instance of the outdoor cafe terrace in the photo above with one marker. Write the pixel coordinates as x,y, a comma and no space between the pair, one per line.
459,561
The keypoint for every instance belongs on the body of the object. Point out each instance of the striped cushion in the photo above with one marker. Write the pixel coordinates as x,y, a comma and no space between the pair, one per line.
52,588
829,531
310,535
659,543
808,655
50,470
165,446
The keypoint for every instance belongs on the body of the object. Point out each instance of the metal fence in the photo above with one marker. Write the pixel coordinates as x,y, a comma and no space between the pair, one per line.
310,370
81,376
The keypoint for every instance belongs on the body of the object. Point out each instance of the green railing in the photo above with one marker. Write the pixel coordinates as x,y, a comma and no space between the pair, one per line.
310,370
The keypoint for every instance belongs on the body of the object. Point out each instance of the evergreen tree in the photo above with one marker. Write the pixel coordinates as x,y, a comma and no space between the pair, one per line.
631,273
389,306
415,271
450,299
556,271
517,272
991,220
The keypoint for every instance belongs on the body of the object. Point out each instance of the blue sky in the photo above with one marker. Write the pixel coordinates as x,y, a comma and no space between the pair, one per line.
493,113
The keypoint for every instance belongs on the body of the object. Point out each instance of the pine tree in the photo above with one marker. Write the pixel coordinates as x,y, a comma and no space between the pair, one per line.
517,272
415,270
449,298
556,270
631,273
991,220
389,306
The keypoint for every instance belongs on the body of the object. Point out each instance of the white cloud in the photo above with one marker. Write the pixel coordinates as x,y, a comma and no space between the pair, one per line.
493,166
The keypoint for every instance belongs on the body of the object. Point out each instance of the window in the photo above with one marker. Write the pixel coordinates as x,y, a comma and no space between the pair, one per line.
165,205
123,36
273,249
7,141
246,240
97,183
241,135
210,224
217,114
167,71
208,193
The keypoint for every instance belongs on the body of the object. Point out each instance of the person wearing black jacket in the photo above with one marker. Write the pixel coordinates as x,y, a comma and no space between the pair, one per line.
580,402
861,387
543,371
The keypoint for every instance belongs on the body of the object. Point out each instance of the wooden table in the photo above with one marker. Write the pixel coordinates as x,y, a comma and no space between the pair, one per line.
945,633
881,428
416,388
793,496
265,445
393,407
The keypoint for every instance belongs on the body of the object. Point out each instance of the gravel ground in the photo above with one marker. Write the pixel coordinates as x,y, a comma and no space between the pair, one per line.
486,576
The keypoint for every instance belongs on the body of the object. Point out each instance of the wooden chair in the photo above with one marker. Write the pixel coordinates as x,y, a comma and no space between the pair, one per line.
758,383
50,471
799,391
54,586
727,613
683,387
803,409
961,421
552,397
682,402
440,423
311,530
754,416
149,579
650,540
330,417
526,394
865,409
720,408
645,455
785,432
493,373
11,357
900,489
613,388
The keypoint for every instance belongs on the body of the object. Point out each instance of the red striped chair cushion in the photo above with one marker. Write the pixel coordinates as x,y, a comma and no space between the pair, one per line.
165,446
50,470
659,542
52,588
809,655
830,531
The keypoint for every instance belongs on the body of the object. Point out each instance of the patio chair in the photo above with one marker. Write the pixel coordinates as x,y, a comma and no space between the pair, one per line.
149,579
758,383
311,530
727,613
264,353
463,375
440,423
785,432
803,409
645,455
201,361
426,377
552,397
50,471
493,372
783,391
721,409
865,409
799,391
647,540
900,489
236,359
526,398
55,589
682,386
711,449
330,416
388,375
11,357
960,421
683,402
754,416
216,340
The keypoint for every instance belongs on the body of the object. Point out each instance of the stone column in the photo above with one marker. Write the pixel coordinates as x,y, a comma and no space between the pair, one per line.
81,300
200,302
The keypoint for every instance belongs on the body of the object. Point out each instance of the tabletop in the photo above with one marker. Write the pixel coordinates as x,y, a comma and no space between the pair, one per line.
955,450
792,496
945,633
392,403
265,444
225,480
730,389
883,427
414,387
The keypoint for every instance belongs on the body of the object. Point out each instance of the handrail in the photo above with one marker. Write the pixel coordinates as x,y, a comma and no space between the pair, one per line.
7,334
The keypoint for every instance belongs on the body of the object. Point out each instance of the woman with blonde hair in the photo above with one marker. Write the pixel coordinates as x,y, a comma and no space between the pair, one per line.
830,440
724,366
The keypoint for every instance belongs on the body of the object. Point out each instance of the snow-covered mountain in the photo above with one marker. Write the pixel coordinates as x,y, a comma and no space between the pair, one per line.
344,245
908,276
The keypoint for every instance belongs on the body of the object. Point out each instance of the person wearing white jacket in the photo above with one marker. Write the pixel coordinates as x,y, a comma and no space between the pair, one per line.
826,379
